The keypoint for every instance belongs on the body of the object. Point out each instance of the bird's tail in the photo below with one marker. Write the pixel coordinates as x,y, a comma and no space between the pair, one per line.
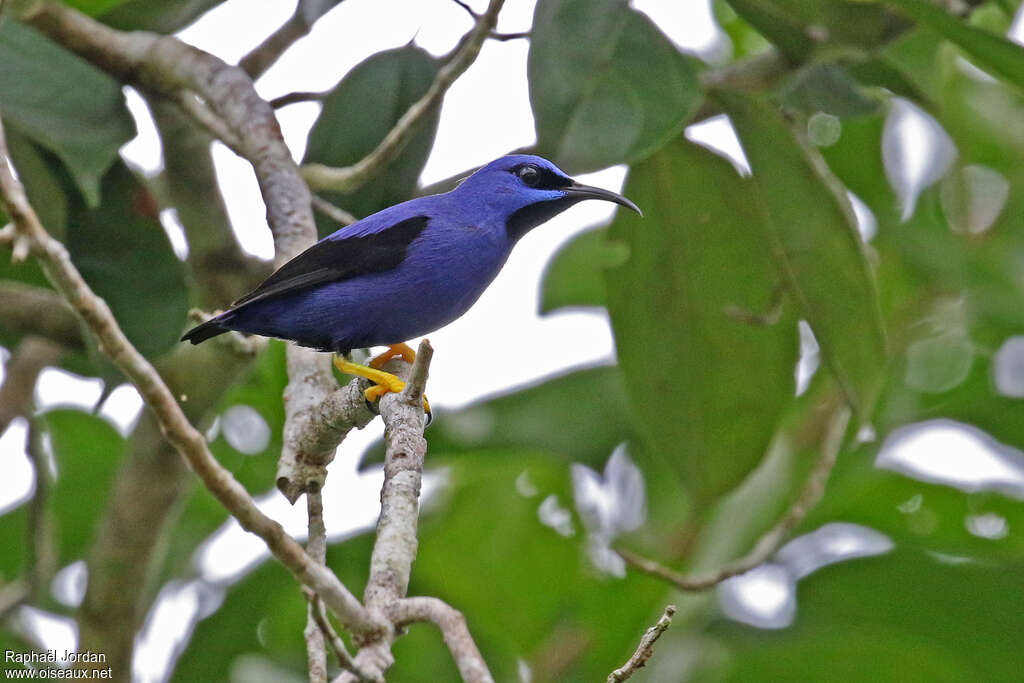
200,333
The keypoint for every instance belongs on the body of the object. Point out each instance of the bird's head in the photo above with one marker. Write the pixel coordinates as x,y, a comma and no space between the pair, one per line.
526,190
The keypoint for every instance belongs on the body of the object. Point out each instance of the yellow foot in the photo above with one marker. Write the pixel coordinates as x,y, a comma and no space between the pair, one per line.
383,381
403,350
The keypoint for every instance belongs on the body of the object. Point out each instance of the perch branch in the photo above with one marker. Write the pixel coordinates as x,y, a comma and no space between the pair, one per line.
396,544
321,177
95,313
320,417
773,539
645,649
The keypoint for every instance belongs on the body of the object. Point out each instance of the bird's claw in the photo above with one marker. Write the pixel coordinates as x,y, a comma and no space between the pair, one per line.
395,385
384,382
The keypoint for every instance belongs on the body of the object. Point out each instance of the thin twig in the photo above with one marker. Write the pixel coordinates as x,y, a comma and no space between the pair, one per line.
469,10
321,177
264,55
494,35
42,541
188,441
296,98
345,660
452,625
774,538
335,213
316,548
645,649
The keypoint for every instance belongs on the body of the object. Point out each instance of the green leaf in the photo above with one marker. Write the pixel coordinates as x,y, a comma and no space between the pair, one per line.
93,7
826,87
43,189
359,112
797,26
738,519
87,450
14,537
160,16
606,86
991,52
902,616
701,334
124,254
575,274
811,231
63,103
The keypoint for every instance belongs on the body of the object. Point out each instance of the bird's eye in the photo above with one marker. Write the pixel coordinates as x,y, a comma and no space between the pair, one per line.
530,175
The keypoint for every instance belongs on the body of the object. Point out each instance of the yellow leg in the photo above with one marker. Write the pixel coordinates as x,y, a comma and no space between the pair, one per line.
383,381
403,350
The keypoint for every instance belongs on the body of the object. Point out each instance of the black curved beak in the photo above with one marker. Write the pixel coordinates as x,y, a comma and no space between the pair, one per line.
579,191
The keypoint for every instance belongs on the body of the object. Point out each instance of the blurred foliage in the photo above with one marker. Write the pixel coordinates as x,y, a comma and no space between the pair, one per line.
703,294
63,103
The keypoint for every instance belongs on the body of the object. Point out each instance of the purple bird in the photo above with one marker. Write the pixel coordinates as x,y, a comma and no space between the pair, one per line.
404,271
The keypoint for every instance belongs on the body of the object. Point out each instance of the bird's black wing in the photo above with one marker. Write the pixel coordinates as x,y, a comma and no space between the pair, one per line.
336,259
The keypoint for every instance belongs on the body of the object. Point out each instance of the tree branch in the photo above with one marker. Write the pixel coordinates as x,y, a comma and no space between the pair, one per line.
345,660
322,415
453,628
27,360
179,431
774,538
28,310
335,213
349,178
264,55
645,649
316,548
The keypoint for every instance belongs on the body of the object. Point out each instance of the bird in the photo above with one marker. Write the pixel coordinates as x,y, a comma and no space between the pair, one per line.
405,271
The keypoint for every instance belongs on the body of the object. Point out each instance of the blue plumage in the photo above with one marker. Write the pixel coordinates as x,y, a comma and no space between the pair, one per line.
409,269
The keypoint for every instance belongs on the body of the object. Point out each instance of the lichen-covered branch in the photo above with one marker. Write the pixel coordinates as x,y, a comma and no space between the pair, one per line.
320,415
179,431
772,540
346,179
396,544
